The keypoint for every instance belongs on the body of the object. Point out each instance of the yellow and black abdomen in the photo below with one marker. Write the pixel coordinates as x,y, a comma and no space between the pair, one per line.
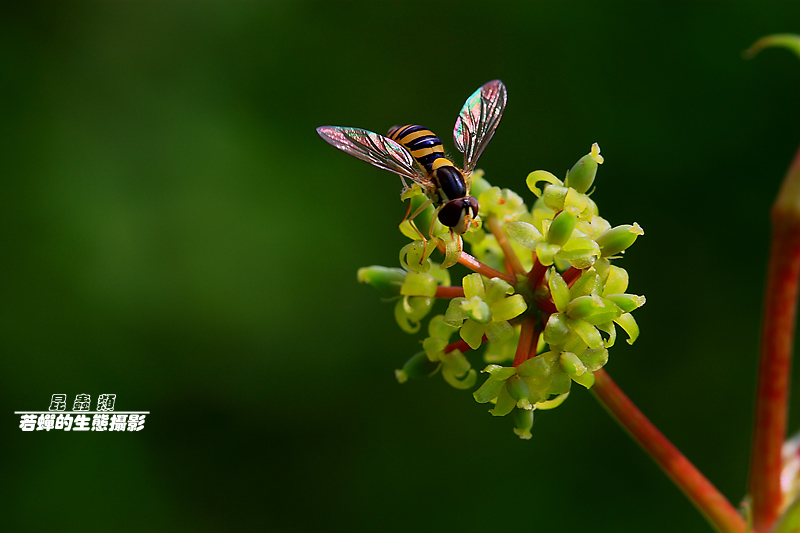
423,145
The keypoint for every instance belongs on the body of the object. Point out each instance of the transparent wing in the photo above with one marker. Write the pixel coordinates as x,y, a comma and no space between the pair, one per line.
477,121
376,150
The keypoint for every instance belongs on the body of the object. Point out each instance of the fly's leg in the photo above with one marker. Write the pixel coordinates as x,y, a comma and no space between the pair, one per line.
414,215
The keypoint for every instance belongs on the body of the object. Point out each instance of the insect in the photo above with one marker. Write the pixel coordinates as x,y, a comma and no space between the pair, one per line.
416,153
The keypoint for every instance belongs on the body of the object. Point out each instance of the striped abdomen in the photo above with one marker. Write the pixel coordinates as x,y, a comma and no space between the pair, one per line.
423,144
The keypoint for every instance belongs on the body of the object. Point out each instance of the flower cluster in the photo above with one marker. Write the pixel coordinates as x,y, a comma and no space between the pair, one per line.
543,302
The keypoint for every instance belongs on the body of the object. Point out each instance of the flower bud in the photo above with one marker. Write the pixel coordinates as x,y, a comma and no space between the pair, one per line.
627,302
417,367
517,388
561,228
582,174
594,359
419,284
587,332
554,197
583,306
556,330
455,313
571,364
524,233
386,280
618,239
559,290
616,280
477,310
588,283
523,422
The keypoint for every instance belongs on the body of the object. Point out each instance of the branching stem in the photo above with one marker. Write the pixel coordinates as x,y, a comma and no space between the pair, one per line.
709,501
777,340
505,245
449,292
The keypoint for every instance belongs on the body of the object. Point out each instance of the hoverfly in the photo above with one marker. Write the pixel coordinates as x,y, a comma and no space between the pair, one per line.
446,186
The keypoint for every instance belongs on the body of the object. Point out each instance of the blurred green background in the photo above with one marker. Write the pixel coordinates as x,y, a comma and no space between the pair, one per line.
176,233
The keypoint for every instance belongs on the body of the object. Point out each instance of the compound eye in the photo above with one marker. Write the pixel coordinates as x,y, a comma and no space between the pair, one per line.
473,206
451,214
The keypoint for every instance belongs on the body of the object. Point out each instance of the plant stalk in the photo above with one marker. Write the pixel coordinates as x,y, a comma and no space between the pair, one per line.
777,341
708,500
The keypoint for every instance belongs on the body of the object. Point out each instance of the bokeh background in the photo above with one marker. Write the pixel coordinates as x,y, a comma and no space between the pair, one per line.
174,232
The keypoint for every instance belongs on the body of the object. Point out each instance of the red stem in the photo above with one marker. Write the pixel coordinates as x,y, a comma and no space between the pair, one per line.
777,340
476,266
571,275
449,292
505,245
527,337
536,275
711,503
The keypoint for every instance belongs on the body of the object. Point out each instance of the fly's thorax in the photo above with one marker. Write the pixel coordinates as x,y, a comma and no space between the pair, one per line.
449,182
457,214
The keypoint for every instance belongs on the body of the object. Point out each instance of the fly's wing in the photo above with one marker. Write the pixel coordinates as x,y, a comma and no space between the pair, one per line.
376,150
477,121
